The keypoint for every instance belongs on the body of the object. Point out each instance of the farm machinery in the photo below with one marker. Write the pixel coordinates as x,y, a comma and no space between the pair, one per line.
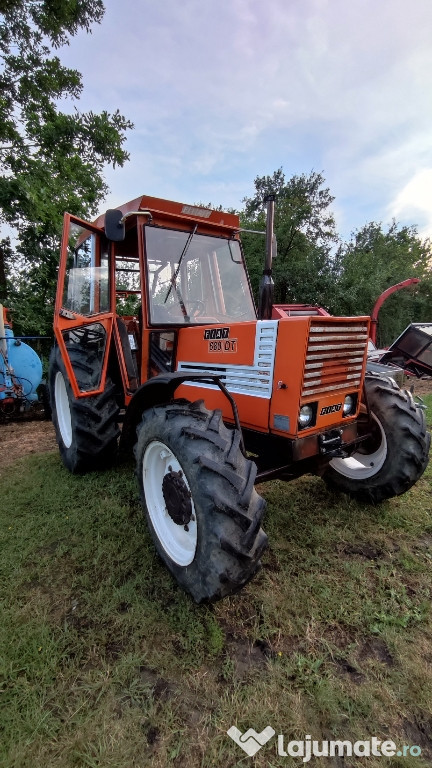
410,353
160,350
20,370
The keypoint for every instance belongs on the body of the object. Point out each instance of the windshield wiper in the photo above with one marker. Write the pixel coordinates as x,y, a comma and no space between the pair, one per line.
175,275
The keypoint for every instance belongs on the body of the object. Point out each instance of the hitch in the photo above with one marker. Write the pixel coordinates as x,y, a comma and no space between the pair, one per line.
330,444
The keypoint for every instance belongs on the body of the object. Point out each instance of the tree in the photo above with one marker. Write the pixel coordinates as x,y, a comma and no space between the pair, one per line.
50,160
306,234
303,207
374,260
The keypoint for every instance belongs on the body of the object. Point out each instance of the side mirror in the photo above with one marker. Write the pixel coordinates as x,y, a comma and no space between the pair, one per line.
114,226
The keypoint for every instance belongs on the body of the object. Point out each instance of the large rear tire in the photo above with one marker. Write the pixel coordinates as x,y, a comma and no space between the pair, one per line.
86,428
197,491
395,457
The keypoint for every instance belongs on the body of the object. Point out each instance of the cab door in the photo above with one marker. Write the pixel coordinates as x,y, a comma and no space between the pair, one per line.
83,311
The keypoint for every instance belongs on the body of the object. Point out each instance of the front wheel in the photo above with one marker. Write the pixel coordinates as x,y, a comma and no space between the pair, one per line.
198,495
396,454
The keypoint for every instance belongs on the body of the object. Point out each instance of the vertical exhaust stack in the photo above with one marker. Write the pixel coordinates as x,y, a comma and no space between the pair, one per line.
266,291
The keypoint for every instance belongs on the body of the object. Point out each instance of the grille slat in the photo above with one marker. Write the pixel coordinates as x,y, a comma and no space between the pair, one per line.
334,337
353,361
334,372
343,345
332,355
338,329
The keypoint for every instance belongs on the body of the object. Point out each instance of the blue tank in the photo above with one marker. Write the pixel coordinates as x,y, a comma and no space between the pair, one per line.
20,370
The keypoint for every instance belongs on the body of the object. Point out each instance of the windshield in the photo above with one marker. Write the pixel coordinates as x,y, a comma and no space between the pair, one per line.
195,278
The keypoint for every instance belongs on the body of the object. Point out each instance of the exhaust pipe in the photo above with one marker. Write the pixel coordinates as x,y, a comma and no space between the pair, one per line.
266,290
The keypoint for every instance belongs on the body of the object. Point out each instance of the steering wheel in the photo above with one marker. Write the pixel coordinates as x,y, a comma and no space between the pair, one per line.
196,307
88,336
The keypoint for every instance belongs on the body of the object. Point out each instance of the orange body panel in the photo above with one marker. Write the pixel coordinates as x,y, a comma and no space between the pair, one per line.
288,372
237,348
277,410
253,411
290,366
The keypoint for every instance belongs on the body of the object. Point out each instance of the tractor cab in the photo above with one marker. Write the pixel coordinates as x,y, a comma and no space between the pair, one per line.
169,266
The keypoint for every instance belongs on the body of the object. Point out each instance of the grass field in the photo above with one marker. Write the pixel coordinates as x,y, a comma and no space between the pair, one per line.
105,663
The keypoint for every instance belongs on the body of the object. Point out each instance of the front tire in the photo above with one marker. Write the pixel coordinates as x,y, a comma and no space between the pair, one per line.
86,428
395,457
197,491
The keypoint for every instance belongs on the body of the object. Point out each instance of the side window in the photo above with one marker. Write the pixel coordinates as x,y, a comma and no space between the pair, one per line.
127,275
162,346
86,288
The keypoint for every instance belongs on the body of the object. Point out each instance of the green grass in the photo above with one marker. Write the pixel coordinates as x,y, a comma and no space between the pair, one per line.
105,662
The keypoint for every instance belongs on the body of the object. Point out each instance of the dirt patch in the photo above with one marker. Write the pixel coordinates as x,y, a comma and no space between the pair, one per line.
421,386
364,550
21,438
161,689
375,648
419,731
344,667
245,656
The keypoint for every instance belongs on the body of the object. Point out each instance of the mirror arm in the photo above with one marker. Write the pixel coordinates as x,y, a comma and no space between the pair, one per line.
137,213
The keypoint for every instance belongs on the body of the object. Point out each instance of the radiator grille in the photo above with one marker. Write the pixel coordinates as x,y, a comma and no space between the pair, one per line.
335,356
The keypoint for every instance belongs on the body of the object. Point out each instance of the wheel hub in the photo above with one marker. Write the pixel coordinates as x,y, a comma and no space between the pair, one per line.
177,498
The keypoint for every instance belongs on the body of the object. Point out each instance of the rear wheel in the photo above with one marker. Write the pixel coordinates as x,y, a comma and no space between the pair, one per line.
86,428
198,495
395,456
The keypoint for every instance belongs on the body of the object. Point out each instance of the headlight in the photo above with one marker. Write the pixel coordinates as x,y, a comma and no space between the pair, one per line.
349,405
305,416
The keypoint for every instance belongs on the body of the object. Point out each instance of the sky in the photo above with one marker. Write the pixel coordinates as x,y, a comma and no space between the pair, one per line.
222,91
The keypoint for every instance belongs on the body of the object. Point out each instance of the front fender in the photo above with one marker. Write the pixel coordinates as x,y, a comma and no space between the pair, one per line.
156,391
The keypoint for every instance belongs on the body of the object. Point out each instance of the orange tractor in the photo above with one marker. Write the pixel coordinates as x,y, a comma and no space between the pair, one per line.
159,348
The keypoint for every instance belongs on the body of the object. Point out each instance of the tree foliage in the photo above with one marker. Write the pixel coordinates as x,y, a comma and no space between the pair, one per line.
303,207
314,267
373,261
50,160
305,231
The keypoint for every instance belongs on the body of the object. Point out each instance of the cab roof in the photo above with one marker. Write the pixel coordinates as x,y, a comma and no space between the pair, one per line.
169,209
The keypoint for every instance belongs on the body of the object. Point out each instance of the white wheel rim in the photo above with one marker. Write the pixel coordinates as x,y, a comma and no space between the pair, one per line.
361,466
63,409
179,544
